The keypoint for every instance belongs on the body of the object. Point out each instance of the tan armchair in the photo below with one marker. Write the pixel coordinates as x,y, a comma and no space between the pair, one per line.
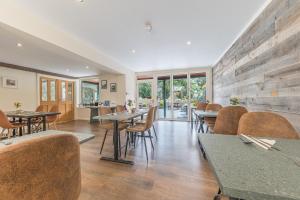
228,119
5,124
266,124
210,121
45,168
51,120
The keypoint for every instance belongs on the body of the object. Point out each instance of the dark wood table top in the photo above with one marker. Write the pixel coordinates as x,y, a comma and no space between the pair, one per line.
30,114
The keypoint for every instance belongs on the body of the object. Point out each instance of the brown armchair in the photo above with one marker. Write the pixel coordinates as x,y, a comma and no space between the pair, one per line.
5,124
228,119
201,106
44,168
210,121
266,124
51,120
120,108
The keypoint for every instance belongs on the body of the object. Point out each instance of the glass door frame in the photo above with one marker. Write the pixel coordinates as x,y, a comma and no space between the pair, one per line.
171,73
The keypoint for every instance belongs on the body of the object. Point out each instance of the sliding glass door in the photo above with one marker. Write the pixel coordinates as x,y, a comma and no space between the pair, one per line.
180,97
164,101
145,93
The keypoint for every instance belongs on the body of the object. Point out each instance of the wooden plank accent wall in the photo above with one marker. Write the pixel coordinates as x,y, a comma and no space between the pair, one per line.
263,66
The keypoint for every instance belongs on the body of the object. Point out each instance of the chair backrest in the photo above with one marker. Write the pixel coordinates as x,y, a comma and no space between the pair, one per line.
266,124
213,107
44,168
201,106
120,108
228,118
150,118
4,122
105,110
53,118
40,108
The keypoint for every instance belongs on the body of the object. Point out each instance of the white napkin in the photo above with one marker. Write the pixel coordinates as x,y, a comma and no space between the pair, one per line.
270,142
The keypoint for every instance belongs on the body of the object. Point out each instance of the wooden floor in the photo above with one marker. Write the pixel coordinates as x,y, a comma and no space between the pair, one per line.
176,171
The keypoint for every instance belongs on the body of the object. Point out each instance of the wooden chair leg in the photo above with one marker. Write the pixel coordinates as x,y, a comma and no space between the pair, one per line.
103,141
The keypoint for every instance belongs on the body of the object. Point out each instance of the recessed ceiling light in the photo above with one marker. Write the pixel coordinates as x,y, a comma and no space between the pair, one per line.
81,1
133,51
19,45
188,42
87,67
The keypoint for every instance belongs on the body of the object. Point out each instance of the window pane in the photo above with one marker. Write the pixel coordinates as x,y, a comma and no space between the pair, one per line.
44,90
52,90
145,94
70,91
89,92
198,88
180,97
63,91
164,97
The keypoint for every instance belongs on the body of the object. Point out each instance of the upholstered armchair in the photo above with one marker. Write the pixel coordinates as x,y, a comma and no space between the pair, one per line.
266,124
45,168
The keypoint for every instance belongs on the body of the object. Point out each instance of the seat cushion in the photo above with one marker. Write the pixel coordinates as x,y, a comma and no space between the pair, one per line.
137,128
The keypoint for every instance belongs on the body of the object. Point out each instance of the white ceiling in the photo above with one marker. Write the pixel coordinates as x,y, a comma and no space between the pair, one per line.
39,54
117,26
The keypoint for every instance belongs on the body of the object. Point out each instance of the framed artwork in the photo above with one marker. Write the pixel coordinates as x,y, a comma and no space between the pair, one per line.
10,82
113,87
104,84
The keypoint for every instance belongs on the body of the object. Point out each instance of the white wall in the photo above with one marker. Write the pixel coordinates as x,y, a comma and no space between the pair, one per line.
118,97
26,93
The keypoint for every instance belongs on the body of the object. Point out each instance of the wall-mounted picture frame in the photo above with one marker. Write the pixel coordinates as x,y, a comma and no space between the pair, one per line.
103,84
8,82
113,87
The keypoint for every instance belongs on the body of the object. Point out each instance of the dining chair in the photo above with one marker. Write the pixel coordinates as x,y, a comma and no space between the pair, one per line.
200,106
154,120
210,121
37,122
109,126
142,128
120,108
228,118
5,124
266,124
43,168
51,120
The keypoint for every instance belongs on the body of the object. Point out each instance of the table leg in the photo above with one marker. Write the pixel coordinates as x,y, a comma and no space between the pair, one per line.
116,147
21,128
44,123
192,119
29,125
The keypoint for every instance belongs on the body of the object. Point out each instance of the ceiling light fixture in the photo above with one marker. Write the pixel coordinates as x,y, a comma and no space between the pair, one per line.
81,1
188,42
133,51
19,45
148,27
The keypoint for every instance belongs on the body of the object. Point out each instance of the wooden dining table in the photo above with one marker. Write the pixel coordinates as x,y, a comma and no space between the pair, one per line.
247,171
116,118
29,115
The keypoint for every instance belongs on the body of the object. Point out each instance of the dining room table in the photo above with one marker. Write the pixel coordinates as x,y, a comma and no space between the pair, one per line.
200,114
116,118
246,171
28,116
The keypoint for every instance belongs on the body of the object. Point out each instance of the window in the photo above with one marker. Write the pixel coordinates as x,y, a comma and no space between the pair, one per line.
52,90
198,88
89,92
70,91
44,90
63,90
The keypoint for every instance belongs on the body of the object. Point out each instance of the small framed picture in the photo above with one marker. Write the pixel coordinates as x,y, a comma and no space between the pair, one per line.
10,82
104,84
113,87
